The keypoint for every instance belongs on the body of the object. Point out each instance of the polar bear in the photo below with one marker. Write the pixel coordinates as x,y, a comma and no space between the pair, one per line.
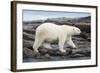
50,31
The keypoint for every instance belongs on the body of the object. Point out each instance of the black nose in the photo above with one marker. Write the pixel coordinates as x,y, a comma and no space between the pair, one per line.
82,33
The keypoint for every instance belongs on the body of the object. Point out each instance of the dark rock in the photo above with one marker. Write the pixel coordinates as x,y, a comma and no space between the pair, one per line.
39,56
30,47
29,31
83,35
87,53
47,56
81,52
27,43
69,51
34,26
27,53
54,52
76,55
36,55
42,50
28,36
89,39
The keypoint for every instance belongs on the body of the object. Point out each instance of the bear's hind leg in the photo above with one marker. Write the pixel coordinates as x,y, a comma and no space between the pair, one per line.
37,44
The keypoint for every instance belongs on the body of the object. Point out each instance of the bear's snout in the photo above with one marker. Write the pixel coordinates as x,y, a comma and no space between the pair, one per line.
79,31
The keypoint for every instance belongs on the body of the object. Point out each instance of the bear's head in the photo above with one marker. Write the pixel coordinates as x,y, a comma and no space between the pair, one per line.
76,31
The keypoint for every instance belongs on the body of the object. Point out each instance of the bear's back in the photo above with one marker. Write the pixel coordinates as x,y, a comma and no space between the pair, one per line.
53,28
48,27
48,30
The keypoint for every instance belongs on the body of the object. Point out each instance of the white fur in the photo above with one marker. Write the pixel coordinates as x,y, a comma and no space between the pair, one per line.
51,31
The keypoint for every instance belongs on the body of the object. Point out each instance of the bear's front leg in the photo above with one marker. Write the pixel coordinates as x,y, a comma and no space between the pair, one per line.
70,43
61,43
